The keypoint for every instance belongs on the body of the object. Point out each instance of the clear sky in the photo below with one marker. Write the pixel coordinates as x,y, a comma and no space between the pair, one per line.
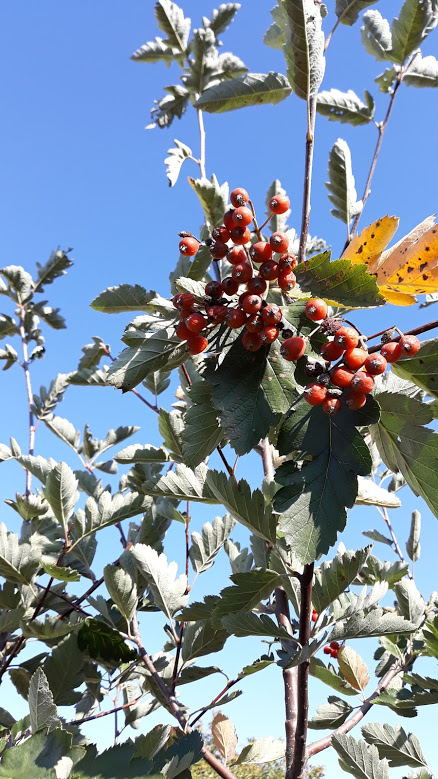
78,169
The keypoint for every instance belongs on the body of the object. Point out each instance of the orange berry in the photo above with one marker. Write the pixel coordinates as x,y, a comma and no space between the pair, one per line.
279,242
355,358
252,341
354,400
316,309
375,364
409,345
189,246
362,382
279,204
315,394
239,197
332,406
347,337
341,377
293,348
197,344
391,351
331,351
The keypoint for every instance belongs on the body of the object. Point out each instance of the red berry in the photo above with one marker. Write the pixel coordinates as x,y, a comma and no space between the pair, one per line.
355,358
316,309
236,255
242,273
189,246
269,334
254,323
293,348
176,299
332,406
219,250
228,219
242,216
221,234
257,285
375,364
314,616
287,261
196,322
354,400
214,289
334,645
217,314
260,251
252,304
185,300
341,377
279,204
242,297
315,394
347,337
409,344
235,318
183,331
240,235
271,314
286,280
269,270
334,653
197,344
331,351
362,382
391,351
230,285
252,341
327,650
239,197
279,242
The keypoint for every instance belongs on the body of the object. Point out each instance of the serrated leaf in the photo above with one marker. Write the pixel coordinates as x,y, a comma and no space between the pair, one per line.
202,432
345,107
342,281
205,547
183,484
376,35
45,403
417,18
55,267
64,671
358,759
422,72
107,510
256,666
213,198
328,675
42,756
263,750
197,611
64,430
61,573
61,493
160,350
341,184
247,507
353,668
18,562
410,603
394,744
43,712
136,453
171,426
250,624
370,494
156,51
422,369
19,281
169,593
250,589
202,638
333,577
387,79
122,588
413,546
330,715
171,20
124,297
224,736
100,641
376,622
222,17
304,47
173,163
244,91
49,629
348,11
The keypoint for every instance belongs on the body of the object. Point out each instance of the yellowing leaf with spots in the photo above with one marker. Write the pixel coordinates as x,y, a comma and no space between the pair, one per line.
408,268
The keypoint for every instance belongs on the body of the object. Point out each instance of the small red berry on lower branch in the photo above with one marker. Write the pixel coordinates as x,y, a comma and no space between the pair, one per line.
355,358
327,650
242,273
230,285
269,270
217,314
252,304
197,344
236,255
315,394
314,615
214,289
235,318
260,251
254,323
242,216
287,280
279,204
183,331
279,242
239,197
221,234
240,235
331,351
332,406
391,351
269,334
362,382
271,314
375,364
334,645
341,377
293,348
219,250
355,400
196,322
346,337
228,219
287,261
252,341
316,309
257,285
409,345
189,246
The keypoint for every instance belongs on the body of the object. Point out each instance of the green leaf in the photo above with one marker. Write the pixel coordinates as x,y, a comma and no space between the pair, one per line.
250,589
64,669
60,573
213,198
358,759
376,622
43,712
122,589
49,629
258,665
387,79
417,18
250,624
410,603
183,484
160,350
135,453
157,382
341,184
263,750
330,715
394,744
115,762
376,35
148,745
422,369
18,562
64,430
202,432
370,494
19,282
45,403
205,547
222,17
171,20
42,756
422,72
376,571
201,610
375,535
244,91
55,267
171,426
124,297
169,593
7,326
348,11
10,620
108,510
170,106
333,577
100,641
328,675
156,51
341,281
345,107
314,499
173,163
61,493
247,507
413,546
304,48
202,638
275,35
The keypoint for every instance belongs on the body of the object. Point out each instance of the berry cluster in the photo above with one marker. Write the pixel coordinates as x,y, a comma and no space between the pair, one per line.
332,649
262,320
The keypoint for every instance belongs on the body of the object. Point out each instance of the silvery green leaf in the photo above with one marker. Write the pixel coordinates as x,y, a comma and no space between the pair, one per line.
169,593
358,759
135,453
241,560
394,744
413,546
410,603
247,507
222,17
263,750
348,11
202,431
156,51
341,184
122,589
61,493
375,535
183,484
331,714
65,430
177,155
375,623
370,494
213,198
172,22
19,281
205,547
108,510
304,48
416,20
18,562
423,72
243,91
43,712
334,576
202,638
345,107
275,35
250,624
376,35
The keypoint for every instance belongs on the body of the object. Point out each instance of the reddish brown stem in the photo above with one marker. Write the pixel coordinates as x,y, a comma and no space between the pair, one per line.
289,681
18,644
415,331
310,142
300,758
105,713
215,700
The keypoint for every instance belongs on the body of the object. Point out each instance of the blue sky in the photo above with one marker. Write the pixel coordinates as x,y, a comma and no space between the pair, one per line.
79,169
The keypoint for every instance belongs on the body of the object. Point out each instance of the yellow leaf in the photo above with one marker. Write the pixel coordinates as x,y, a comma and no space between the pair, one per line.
353,668
369,245
224,736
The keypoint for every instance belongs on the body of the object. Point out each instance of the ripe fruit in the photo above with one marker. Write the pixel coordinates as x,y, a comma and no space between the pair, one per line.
268,270
252,304
242,273
239,197
279,204
236,255
346,337
271,314
240,235
293,348
279,242
219,250
242,216
260,251
257,285
176,299
235,318
331,351
362,382
228,219
269,334
355,358
354,400
214,289
197,344
252,341
409,344
334,653
196,322
230,285
286,280
341,377
185,300
220,233
217,314
334,645
375,364
327,650
183,331
391,351
315,394
314,615
254,323
331,406
287,261
316,309
188,246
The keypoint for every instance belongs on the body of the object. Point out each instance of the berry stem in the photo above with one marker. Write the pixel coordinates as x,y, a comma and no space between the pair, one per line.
257,229
202,143
415,331
305,219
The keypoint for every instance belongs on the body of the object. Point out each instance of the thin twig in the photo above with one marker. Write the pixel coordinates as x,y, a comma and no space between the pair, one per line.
310,142
64,598
25,365
105,713
384,514
300,758
229,684
414,331
201,143
134,391
268,468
